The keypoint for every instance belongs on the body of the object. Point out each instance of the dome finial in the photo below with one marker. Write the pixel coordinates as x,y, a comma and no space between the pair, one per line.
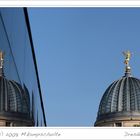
127,55
1,63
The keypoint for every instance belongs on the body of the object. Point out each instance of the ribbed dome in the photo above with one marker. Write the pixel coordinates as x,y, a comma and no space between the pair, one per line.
14,101
122,98
12,97
120,104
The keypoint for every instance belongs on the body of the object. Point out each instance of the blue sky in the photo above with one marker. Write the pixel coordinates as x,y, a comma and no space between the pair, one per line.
79,54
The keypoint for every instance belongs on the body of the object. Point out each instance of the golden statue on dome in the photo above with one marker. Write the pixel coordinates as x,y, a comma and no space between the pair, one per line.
1,59
127,55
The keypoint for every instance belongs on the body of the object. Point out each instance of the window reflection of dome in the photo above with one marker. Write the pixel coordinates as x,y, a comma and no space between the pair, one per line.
14,101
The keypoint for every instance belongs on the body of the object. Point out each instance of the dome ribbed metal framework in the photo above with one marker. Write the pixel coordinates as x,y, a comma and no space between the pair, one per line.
122,98
13,98
120,104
